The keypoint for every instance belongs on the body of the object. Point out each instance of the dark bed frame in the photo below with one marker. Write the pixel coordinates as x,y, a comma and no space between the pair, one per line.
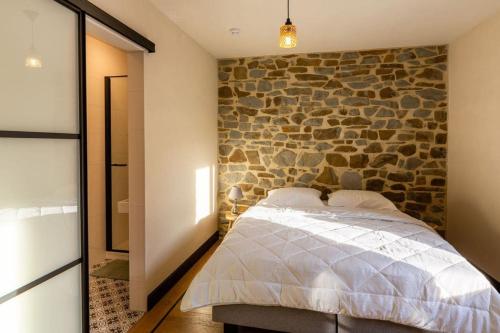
243,318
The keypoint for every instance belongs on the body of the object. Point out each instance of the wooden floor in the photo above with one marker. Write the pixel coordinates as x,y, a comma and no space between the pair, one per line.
167,317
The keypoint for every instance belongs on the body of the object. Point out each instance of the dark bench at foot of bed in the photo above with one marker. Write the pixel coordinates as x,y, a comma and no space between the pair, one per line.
242,318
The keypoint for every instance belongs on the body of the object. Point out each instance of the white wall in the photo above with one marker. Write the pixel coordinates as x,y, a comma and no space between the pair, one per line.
180,133
474,151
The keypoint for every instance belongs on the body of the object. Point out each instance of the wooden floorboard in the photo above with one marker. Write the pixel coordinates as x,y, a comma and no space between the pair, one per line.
160,320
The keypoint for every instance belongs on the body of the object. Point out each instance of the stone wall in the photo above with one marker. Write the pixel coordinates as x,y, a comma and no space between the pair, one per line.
374,120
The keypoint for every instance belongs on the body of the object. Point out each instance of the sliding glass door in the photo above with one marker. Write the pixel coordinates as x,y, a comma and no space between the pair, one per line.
43,267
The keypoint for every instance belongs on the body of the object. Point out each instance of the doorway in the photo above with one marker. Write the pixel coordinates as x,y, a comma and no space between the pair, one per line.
112,165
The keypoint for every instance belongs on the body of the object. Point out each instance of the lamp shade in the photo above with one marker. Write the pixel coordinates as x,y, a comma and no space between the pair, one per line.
288,35
235,193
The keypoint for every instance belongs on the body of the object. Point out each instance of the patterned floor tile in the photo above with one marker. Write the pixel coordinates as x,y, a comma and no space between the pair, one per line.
109,305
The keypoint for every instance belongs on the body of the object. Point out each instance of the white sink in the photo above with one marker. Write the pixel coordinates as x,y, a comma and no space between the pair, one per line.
123,206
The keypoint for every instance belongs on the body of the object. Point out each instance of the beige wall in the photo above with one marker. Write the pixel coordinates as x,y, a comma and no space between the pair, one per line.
102,60
180,138
474,154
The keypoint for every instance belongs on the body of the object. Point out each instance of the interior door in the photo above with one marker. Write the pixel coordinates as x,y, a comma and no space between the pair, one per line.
43,267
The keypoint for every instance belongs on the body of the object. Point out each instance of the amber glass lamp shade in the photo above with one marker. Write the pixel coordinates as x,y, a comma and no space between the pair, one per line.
288,35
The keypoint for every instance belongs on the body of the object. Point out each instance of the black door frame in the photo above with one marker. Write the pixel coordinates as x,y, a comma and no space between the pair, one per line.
108,163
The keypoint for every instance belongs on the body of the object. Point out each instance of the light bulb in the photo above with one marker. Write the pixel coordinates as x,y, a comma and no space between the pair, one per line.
33,61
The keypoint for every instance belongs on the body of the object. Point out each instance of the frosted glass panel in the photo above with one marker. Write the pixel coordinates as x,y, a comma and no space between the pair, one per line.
39,213
51,307
38,99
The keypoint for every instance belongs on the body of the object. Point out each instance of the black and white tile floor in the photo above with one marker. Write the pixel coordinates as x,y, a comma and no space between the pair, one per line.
109,305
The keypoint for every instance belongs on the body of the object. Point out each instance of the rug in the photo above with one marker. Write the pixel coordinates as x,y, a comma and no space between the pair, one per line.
115,269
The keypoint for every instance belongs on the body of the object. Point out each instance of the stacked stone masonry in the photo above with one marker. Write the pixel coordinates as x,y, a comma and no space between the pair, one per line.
374,120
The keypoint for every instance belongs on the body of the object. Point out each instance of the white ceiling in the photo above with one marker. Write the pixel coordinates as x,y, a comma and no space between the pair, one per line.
324,25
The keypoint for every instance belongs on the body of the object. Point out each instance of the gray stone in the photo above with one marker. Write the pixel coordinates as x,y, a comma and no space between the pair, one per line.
280,137
422,113
386,113
327,134
383,159
355,101
394,123
250,178
432,94
410,102
295,91
278,172
413,162
320,95
235,135
225,150
323,146
233,178
310,159
307,178
313,122
324,70
311,77
422,52
251,101
351,181
264,85
333,101
401,176
257,73
285,158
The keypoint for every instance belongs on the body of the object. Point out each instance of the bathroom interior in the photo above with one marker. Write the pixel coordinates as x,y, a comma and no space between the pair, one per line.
110,92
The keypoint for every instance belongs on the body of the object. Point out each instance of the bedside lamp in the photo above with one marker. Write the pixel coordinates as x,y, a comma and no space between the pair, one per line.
234,195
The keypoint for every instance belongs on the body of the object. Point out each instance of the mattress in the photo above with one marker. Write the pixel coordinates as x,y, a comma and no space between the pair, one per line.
372,264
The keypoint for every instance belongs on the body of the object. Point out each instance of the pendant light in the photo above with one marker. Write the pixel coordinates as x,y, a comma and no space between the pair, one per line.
288,32
33,60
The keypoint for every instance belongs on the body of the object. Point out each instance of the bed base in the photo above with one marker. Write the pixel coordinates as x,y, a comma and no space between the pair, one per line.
242,318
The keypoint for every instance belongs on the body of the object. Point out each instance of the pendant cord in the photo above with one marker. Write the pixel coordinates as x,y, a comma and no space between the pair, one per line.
288,9
32,35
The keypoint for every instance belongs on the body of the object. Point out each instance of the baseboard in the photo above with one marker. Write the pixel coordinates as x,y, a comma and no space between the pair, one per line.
167,284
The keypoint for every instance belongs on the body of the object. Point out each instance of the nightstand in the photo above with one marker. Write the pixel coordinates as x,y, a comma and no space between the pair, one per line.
230,217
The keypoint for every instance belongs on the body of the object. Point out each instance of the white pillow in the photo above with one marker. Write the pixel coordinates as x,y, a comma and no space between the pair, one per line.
359,199
293,196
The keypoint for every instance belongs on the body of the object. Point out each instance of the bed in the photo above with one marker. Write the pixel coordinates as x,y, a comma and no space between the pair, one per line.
313,268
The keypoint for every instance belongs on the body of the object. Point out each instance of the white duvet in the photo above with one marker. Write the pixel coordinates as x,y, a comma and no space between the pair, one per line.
363,263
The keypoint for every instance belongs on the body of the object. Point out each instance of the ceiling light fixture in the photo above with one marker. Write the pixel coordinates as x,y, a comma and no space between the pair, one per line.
33,60
288,32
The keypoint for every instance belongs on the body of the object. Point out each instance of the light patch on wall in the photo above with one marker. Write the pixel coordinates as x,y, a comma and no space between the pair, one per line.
214,188
204,180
